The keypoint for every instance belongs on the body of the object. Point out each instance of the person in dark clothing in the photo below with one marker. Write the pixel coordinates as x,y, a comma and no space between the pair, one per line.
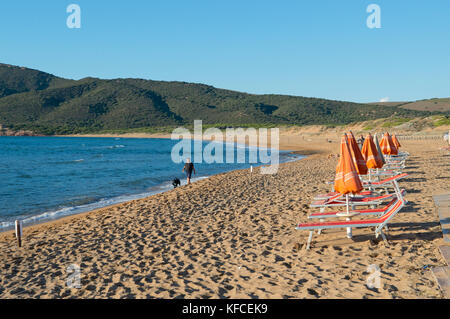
360,141
188,169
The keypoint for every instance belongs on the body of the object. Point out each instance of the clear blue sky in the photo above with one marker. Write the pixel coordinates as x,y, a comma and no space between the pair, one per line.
318,48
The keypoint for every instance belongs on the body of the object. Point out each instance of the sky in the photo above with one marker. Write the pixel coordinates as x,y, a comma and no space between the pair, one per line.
320,48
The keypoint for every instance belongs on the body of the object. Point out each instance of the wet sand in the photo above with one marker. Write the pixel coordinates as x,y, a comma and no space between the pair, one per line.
233,236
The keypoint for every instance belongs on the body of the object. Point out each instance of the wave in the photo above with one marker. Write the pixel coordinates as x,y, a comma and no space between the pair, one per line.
89,204
92,147
73,210
67,162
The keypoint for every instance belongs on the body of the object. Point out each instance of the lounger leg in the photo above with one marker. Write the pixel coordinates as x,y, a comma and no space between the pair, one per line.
384,238
308,244
322,209
320,230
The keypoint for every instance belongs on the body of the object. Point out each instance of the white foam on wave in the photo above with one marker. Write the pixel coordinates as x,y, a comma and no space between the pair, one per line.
292,157
73,210
116,146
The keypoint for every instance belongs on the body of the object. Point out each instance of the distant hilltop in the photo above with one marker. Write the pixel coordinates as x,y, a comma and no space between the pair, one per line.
435,104
35,101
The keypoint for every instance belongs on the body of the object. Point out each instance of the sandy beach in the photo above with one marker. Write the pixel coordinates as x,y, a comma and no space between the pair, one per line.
233,236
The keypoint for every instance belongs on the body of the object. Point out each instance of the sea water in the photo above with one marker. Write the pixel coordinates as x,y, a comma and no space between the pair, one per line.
44,178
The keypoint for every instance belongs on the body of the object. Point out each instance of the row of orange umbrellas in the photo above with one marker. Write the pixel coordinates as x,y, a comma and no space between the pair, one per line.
354,162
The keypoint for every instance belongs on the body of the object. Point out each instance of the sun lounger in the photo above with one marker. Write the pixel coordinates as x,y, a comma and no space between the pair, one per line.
386,181
381,174
363,212
379,223
395,158
373,211
332,194
353,201
393,165
367,184
390,159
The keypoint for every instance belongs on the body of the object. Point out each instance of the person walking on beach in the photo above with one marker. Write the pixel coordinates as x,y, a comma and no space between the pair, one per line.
360,141
188,169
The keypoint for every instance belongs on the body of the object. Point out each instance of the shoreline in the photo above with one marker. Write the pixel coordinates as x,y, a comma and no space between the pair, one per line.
233,235
71,217
36,224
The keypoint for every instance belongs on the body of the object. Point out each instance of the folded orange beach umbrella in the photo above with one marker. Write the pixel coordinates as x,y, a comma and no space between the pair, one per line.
394,148
370,153
377,144
396,142
358,159
347,178
387,146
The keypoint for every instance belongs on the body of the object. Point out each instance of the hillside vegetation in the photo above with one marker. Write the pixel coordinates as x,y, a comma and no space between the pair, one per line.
432,105
46,104
442,105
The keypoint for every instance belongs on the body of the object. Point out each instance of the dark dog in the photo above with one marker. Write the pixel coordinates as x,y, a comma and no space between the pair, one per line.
176,182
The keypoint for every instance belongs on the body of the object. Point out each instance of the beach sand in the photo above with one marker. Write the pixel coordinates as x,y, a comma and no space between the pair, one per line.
233,236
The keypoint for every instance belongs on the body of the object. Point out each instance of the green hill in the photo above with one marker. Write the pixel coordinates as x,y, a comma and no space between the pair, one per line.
441,105
38,101
14,79
432,105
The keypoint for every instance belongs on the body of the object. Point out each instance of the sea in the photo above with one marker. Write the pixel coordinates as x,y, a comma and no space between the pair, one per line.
45,178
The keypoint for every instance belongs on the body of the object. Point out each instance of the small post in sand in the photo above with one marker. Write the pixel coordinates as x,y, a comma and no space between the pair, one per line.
251,168
19,232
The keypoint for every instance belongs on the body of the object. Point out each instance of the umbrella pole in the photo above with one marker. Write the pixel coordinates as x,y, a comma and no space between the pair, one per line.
349,229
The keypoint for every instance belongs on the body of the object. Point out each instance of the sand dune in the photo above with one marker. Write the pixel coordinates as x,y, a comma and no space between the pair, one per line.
233,236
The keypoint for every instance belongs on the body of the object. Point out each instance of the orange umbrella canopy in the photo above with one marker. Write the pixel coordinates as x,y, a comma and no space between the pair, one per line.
396,142
387,145
379,148
370,153
393,147
358,159
347,179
